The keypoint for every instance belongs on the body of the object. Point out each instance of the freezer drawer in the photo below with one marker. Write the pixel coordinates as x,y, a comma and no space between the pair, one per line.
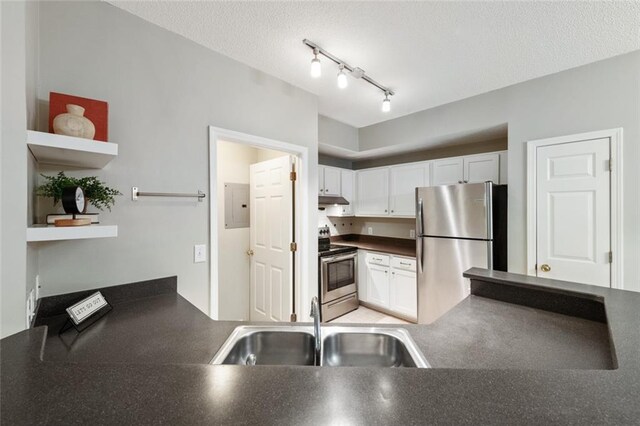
441,262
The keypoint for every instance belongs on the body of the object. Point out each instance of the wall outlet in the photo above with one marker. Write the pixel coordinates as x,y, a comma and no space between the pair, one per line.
199,253
370,230
412,233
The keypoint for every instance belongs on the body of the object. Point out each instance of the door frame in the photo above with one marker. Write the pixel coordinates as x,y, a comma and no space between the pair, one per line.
616,234
301,214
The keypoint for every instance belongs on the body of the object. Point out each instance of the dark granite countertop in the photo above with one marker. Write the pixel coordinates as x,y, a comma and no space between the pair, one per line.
495,362
399,246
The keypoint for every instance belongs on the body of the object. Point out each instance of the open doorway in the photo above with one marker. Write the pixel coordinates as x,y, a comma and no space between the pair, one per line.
256,220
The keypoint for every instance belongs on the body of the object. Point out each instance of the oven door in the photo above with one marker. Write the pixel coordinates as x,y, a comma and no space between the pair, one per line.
339,276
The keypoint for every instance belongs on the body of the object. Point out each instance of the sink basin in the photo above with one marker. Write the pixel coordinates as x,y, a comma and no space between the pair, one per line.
269,345
372,349
341,347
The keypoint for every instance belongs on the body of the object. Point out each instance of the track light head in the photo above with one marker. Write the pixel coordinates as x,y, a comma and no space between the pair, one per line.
386,103
342,78
316,67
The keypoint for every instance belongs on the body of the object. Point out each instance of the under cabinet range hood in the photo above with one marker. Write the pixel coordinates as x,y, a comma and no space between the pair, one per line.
324,200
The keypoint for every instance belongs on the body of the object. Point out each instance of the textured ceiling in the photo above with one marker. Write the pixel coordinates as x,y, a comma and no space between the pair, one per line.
430,53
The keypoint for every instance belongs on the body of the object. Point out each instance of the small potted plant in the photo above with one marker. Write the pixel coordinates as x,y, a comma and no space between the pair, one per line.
95,191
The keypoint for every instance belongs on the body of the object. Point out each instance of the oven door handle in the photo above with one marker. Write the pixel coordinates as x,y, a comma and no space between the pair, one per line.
338,258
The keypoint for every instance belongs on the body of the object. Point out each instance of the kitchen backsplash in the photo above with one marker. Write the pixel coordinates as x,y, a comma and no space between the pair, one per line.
380,227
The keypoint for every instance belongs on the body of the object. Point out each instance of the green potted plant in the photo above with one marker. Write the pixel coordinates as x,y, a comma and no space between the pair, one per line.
95,191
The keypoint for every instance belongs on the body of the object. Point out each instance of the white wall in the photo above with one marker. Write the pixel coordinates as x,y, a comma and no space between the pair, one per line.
335,133
17,112
597,96
163,93
233,161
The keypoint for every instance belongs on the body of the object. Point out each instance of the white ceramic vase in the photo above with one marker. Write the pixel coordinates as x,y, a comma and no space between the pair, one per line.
74,123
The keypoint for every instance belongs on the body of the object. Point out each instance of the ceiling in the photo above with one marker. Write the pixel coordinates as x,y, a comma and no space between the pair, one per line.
429,53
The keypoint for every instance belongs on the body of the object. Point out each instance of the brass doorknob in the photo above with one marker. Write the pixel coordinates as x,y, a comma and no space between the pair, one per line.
545,268
249,252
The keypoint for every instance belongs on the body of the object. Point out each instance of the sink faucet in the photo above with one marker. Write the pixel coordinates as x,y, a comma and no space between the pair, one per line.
315,313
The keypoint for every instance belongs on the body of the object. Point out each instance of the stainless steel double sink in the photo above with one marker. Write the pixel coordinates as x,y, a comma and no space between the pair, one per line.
341,346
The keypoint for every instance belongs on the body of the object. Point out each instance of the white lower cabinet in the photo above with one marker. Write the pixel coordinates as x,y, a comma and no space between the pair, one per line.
390,282
378,285
403,294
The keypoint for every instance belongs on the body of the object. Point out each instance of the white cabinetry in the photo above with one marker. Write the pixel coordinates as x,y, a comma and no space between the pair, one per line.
390,283
482,168
403,290
469,169
329,181
404,180
448,171
347,186
373,192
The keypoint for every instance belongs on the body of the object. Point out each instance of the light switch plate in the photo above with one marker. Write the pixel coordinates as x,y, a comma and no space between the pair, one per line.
370,230
199,253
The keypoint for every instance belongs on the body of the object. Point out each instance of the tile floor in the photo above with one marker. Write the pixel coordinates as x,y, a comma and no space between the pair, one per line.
369,316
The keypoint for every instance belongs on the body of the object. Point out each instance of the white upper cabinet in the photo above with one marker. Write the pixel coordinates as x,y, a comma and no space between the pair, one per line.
347,191
448,171
329,181
468,169
403,183
373,192
482,168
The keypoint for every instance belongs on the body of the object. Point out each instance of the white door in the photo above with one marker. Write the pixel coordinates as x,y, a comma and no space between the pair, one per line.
573,211
378,285
373,192
448,171
331,182
482,168
404,181
403,294
271,219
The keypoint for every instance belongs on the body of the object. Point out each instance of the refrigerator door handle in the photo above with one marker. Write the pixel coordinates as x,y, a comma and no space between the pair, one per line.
420,230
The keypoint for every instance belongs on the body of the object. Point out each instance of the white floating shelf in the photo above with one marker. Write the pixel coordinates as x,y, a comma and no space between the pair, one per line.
49,148
52,233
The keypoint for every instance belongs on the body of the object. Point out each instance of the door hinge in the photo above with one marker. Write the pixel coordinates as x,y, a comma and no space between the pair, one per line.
610,164
535,267
293,246
293,176
610,257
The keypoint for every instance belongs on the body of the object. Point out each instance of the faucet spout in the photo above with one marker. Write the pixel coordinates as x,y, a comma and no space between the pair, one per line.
315,313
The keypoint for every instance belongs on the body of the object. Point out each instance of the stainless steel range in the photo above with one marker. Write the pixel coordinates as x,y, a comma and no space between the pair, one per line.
338,277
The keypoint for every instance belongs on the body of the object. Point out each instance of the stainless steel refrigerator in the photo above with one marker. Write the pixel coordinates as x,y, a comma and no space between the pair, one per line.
458,227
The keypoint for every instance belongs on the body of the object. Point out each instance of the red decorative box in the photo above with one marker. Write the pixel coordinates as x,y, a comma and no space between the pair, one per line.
96,111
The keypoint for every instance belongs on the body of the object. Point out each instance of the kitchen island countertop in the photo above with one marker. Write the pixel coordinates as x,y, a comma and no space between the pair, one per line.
495,362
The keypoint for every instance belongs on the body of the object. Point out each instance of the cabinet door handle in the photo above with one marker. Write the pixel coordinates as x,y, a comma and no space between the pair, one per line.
405,264
385,210
386,272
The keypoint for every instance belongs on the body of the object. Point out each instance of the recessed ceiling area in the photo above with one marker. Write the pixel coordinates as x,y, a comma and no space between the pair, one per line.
461,138
429,53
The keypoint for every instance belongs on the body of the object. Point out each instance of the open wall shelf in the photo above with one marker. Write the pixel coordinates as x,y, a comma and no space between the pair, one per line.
51,233
49,148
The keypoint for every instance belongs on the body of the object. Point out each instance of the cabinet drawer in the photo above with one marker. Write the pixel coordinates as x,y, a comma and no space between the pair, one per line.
378,259
403,263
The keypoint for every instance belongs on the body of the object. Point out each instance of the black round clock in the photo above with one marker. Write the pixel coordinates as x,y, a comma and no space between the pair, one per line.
73,200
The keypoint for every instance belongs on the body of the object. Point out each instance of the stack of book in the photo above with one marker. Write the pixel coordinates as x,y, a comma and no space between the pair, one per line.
93,217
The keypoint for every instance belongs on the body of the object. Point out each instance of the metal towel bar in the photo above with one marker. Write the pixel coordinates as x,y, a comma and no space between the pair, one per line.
135,193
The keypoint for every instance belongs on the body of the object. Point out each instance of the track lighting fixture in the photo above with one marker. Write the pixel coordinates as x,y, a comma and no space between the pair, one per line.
316,68
386,103
343,81
342,78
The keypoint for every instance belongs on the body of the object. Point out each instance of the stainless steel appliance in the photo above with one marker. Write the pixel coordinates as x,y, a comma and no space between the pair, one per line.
338,277
458,227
